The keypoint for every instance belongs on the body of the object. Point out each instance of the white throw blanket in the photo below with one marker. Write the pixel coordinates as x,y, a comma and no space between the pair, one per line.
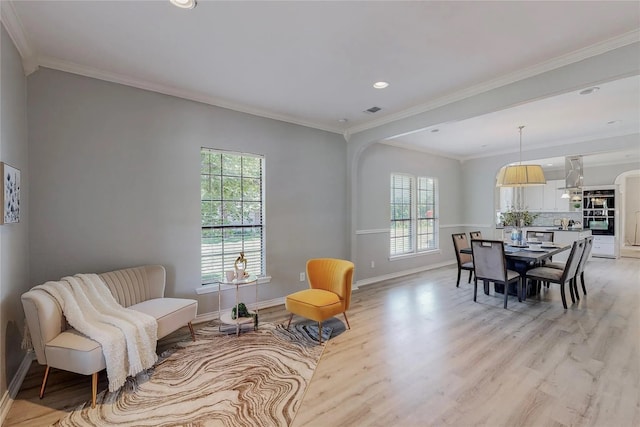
128,337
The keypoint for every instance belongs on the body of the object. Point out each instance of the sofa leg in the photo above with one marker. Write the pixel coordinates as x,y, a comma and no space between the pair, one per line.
289,324
347,320
94,389
44,381
193,334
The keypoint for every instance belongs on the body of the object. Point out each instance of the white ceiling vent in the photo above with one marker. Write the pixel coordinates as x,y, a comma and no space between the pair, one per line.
372,110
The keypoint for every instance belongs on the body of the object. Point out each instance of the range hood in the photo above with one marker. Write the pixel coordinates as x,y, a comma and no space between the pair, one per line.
573,173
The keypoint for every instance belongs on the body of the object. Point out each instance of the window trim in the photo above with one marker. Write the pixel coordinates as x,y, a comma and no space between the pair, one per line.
204,284
413,219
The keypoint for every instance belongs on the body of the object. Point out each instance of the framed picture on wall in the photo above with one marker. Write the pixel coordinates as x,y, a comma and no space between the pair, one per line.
10,195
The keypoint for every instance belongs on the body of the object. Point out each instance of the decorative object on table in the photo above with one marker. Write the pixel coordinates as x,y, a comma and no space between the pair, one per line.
240,267
216,381
520,175
10,195
243,311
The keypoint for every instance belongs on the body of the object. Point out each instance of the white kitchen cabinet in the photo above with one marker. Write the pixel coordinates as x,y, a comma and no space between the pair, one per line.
506,198
546,198
534,198
564,237
604,246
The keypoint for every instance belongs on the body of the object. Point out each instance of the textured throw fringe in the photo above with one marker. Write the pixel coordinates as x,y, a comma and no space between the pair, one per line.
26,338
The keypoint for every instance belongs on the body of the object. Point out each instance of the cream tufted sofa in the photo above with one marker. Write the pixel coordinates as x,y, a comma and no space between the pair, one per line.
58,346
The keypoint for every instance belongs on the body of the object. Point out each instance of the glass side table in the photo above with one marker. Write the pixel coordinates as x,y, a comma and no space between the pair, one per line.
225,319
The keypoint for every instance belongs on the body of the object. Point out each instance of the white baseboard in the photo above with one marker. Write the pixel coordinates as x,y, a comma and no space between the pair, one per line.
14,386
389,276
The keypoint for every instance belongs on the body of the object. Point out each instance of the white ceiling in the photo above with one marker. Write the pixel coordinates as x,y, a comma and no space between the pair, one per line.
314,63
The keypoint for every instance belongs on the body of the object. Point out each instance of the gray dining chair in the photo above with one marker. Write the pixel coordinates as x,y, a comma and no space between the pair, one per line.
475,235
465,261
586,253
561,277
491,266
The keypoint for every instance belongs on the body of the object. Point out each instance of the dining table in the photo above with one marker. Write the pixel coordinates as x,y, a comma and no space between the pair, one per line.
523,257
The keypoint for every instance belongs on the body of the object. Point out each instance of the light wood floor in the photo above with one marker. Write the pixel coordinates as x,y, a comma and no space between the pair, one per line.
420,352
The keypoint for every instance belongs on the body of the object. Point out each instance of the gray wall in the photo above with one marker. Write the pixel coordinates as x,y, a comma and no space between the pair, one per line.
376,164
13,237
115,183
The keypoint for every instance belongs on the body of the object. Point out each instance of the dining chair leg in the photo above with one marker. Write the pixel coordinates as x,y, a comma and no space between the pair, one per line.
520,290
458,281
584,289
575,287
506,293
573,298
564,298
470,274
475,289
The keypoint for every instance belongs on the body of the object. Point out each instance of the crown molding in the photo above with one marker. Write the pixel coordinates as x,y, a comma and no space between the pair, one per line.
552,64
70,67
14,27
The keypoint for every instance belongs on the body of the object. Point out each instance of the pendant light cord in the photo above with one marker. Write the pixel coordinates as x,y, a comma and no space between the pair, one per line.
520,127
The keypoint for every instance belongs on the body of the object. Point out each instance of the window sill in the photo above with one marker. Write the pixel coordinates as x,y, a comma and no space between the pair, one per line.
213,287
414,255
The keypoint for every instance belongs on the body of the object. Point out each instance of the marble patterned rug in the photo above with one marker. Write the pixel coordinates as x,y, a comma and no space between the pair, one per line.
258,378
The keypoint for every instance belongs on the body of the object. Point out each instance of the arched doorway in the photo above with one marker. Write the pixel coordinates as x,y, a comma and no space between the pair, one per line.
629,214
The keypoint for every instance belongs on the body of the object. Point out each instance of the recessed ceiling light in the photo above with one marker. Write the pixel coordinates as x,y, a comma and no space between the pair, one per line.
589,90
549,164
343,120
380,85
184,4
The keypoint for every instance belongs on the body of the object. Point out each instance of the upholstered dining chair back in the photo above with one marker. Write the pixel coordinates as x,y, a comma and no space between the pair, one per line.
542,236
475,235
460,242
489,260
586,253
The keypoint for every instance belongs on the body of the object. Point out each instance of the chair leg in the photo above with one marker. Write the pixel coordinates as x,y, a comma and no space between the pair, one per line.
564,298
520,292
470,274
44,381
193,334
289,324
506,293
346,320
575,287
94,389
320,332
458,281
475,289
573,298
582,281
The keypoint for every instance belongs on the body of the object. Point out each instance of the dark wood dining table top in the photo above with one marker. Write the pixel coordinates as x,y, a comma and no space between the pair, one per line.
524,254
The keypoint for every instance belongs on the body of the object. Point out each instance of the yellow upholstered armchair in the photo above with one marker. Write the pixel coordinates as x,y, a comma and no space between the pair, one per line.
329,293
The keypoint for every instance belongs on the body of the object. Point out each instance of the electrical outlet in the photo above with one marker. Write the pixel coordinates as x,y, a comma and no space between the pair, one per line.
373,264
302,277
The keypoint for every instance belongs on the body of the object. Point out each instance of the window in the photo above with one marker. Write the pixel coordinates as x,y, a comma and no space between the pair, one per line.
414,219
232,212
